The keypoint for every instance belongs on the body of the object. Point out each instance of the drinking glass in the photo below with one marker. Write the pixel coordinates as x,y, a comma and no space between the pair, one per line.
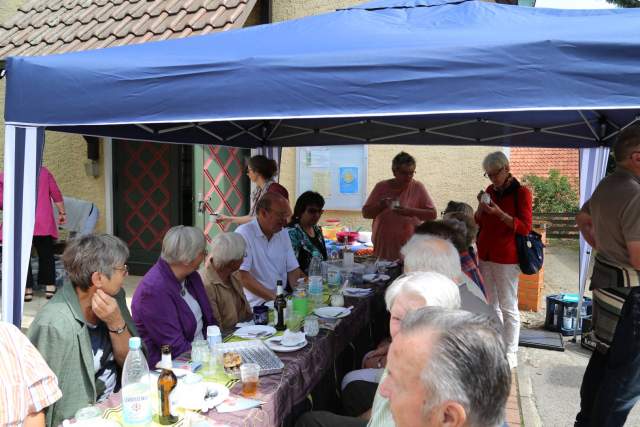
294,322
249,374
311,326
88,413
200,354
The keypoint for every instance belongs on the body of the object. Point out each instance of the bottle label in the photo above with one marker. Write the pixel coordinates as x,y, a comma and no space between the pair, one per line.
136,405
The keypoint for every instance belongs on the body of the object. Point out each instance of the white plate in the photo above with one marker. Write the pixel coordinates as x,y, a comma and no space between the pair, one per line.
251,332
191,396
283,348
373,277
332,312
387,264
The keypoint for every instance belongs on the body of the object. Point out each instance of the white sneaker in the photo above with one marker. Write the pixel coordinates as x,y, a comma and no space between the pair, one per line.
512,358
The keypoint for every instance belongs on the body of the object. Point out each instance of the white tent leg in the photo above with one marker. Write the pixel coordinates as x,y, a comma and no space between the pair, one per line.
593,167
22,159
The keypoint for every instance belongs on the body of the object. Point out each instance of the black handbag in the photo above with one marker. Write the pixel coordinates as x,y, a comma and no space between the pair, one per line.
530,248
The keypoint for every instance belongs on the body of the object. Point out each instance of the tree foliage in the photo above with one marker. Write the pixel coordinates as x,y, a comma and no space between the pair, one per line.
552,194
625,3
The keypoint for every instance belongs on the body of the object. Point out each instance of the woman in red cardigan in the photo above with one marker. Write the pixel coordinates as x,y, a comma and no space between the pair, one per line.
504,209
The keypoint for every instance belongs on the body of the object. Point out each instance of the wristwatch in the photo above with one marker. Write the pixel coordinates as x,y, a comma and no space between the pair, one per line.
119,330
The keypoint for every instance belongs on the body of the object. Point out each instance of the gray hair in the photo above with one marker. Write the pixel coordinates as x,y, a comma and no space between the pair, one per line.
494,161
467,363
226,248
434,288
182,244
627,142
425,252
93,253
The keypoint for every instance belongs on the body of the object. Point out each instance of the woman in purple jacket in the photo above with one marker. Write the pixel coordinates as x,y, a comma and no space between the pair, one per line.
170,305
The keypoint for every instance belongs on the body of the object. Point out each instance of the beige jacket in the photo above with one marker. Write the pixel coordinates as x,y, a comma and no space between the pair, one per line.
227,300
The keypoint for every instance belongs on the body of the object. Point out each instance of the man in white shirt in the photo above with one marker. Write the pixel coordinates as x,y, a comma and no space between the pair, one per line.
269,256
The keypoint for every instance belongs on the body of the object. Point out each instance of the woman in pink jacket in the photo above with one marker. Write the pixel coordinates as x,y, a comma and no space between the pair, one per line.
45,231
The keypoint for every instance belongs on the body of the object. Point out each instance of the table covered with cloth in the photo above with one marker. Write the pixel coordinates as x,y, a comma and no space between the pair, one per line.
303,369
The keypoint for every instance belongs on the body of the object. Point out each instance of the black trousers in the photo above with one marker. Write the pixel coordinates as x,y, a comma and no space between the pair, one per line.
46,262
611,383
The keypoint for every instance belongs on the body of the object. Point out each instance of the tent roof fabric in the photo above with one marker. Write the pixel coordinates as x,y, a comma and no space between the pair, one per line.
386,72
43,27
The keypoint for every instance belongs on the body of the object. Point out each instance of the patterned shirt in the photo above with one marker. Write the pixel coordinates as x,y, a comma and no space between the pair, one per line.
469,263
28,385
305,247
104,362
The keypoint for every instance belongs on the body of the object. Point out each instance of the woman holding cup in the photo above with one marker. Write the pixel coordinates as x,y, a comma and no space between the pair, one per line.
397,206
504,210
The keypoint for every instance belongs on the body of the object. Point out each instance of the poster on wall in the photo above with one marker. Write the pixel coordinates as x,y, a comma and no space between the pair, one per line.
338,173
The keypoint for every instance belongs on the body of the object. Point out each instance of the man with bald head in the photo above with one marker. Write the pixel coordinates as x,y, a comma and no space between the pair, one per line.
269,255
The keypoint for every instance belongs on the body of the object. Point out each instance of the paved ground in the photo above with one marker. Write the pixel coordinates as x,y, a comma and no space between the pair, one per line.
549,381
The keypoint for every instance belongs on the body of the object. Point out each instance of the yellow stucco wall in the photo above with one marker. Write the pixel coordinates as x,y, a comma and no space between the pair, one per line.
449,173
283,10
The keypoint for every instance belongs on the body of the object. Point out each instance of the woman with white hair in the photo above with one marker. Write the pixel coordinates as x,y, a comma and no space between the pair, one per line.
170,305
504,210
223,287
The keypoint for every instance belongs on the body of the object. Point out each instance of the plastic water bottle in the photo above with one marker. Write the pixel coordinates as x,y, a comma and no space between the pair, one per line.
214,338
315,281
136,402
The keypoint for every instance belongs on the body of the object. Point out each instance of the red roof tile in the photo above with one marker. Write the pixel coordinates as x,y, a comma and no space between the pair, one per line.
539,161
42,27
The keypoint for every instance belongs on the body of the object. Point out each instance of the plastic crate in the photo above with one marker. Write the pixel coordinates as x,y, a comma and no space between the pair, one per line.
561,313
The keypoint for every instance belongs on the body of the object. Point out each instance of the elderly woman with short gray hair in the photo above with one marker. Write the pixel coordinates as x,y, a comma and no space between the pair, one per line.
223,287
170,305
504,210
87,320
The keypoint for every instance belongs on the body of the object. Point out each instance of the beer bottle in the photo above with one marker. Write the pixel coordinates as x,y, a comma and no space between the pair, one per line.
167,381
280,305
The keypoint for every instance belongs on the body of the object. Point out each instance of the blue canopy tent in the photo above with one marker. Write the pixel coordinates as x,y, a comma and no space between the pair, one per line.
387,72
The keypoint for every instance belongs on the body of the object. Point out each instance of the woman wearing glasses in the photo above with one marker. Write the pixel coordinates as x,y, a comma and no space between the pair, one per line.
261,171
305,233
221,281
504,210
397,206
170,305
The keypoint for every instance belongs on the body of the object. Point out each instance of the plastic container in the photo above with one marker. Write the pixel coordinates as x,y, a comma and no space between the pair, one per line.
136,400
330,228
562,311
338,272
349,236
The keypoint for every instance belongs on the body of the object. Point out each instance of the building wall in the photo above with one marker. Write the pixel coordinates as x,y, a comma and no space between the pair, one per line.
449,173
283,10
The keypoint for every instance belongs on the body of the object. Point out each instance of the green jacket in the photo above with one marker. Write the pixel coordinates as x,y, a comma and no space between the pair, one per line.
60,333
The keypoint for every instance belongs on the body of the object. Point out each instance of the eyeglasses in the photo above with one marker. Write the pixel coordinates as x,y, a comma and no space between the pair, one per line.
280,214
405,172
314,211
491,175
124,269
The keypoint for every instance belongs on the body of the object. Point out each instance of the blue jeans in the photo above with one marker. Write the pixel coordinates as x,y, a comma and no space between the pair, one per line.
611,383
